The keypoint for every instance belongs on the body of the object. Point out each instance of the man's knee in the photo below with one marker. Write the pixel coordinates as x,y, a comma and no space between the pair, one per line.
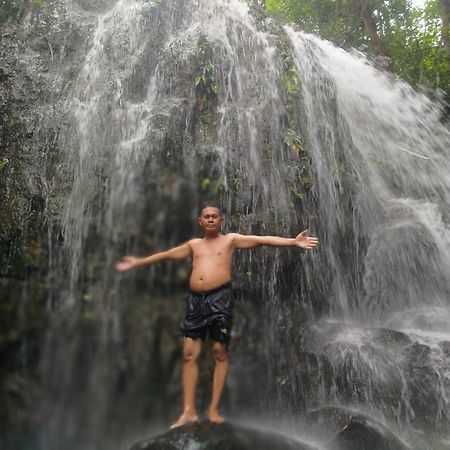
220,352
190,355
191,350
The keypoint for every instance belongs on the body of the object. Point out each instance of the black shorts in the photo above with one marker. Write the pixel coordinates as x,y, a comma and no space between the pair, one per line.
209,311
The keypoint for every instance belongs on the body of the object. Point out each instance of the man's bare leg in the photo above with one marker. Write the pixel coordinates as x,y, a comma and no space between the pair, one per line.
220,375
191,352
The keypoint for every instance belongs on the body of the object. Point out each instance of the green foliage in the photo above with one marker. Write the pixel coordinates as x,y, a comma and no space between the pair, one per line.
333,20
205,183
4,164
417,50
219,186
291,138
291,82
413,39
215,186
299,167
205,78
88,315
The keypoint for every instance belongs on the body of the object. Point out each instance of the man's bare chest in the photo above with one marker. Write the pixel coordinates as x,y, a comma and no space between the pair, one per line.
212,251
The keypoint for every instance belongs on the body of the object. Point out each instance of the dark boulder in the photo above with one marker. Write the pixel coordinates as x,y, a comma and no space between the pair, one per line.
328,421
345,429
364,434
424,376
207,436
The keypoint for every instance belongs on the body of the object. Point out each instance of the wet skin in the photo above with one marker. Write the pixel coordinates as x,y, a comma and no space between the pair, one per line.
212,255
211,267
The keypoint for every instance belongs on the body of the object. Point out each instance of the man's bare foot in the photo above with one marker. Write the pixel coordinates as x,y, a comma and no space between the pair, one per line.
184,419
215,417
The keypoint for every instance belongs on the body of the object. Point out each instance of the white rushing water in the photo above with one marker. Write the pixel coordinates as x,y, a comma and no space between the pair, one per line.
376,140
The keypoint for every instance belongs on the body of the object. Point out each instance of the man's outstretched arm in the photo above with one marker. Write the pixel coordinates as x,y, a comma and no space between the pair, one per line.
302,240
128,262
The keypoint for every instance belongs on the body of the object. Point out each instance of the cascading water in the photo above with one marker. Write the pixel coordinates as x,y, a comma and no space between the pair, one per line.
381,158
174,102
146,142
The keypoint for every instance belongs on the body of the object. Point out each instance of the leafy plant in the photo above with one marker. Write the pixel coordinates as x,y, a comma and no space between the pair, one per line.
205,78
205,183
4,164
291,81
294,141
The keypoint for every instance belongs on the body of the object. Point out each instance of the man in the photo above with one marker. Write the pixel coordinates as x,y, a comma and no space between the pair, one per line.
210,300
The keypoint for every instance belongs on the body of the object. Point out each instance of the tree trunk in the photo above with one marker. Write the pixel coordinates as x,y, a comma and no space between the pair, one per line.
373,35
445,16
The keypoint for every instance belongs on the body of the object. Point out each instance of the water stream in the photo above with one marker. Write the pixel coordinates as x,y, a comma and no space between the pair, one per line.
381,157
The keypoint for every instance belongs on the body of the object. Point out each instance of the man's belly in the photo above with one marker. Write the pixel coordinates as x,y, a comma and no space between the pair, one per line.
205,280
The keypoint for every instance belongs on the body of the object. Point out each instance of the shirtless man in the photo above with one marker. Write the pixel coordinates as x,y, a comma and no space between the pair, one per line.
210,300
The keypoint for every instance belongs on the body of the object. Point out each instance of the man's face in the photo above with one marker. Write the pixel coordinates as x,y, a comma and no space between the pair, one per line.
210,219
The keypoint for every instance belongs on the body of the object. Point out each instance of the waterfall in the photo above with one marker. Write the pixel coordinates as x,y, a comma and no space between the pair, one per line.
145,143
169,103
380,154
381,158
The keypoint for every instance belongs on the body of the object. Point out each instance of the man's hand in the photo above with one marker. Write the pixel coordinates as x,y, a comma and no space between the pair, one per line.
306,242
127,263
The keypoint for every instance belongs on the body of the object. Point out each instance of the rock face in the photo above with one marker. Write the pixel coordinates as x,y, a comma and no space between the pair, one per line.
357,363
207,436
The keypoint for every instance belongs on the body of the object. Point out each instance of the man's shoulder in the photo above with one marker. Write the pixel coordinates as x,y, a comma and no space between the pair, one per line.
231,235
234,236
194,241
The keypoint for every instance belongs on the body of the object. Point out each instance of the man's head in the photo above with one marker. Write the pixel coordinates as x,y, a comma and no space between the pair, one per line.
211,219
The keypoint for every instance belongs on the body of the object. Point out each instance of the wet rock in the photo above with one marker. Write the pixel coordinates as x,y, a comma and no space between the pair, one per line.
348,429
423,381
432,318
352,364
445,346
329,420
364,434
391,337
207,436
323,335
96,6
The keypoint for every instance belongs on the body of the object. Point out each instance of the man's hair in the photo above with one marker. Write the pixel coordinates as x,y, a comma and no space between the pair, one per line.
210,205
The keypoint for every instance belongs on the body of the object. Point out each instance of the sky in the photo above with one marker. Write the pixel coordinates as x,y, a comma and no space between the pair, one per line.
418,3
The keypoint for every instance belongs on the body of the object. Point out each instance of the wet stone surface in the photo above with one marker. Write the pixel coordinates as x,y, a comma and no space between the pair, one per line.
345,429
207,436
361,434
